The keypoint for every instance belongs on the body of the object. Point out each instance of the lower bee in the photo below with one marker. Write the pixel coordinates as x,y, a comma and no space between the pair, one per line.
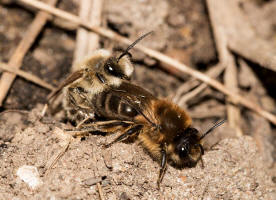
161,127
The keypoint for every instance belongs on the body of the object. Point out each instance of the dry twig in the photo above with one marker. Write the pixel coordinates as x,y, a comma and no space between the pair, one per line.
82,33
26,76
16,59
179,67
18,111
221,23
95,19
218,111
233,112
198,86
90,10
191,94
100,191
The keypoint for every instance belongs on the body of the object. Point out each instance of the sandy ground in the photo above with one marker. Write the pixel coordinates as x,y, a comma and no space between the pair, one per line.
233,168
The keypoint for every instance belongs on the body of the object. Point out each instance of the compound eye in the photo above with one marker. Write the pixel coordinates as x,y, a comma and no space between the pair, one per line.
110,69
113,70
183,151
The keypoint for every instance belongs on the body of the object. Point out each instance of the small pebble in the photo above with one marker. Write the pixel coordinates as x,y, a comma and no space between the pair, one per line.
30,175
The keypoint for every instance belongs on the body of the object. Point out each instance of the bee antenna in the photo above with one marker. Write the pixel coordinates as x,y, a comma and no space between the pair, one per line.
132,45
212,128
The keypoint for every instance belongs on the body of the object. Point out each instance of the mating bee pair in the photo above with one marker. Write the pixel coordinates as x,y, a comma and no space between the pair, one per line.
100,97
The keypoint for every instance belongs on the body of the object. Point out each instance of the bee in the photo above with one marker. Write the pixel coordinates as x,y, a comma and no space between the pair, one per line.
160,126
96,73
101,89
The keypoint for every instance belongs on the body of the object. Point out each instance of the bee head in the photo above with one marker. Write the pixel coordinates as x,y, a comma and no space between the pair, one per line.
110,69
107,67
121,69
188,149
121,66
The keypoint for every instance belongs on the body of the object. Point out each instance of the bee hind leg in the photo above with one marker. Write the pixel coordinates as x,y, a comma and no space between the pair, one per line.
102,126
131,131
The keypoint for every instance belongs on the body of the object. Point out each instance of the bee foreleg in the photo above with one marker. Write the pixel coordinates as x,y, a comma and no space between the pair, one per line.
163,167
133,130
201,154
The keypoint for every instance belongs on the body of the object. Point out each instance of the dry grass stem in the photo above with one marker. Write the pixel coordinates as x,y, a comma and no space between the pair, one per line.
233,112
82,33
18,111
26,76
65,143
221,23
100,191
87,42
184,88
180,99
95,19
16,59
179,67
191,94
212,112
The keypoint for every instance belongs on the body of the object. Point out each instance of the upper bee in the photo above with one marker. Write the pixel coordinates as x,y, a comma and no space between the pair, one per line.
108,69
94,74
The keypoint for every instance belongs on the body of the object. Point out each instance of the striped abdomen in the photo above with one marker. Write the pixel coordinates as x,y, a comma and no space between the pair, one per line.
111,106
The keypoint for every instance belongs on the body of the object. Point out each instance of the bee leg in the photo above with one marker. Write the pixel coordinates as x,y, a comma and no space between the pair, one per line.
80,132
106,125
202,163
102,126
133,130
83,121
201,154
163,167
111,126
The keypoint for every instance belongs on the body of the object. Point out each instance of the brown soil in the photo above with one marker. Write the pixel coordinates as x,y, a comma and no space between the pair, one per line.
233,169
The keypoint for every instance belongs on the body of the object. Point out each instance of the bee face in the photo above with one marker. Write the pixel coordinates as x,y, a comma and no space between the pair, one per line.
186,149
121,69
109,69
